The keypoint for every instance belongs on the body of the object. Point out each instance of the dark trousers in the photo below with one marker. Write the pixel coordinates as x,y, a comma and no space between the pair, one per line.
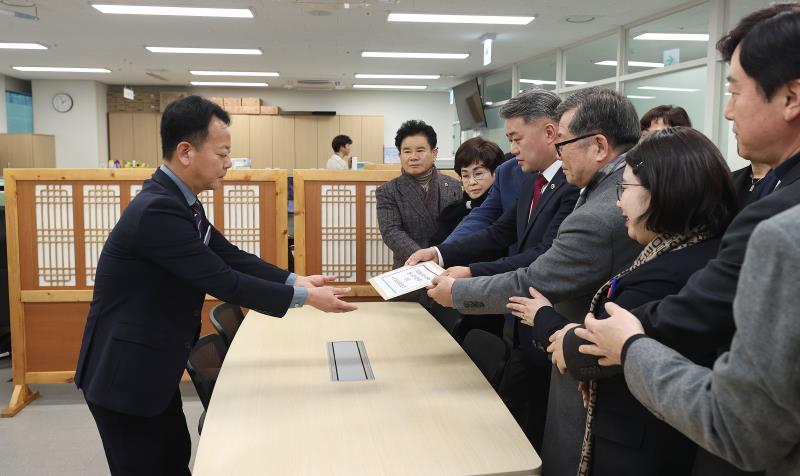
459,325
524,389
151,446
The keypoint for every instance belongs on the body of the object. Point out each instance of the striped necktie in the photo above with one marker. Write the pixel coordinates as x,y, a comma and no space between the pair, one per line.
199,220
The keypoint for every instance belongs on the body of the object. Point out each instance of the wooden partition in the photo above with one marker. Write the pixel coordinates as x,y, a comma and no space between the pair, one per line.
336,226
57,221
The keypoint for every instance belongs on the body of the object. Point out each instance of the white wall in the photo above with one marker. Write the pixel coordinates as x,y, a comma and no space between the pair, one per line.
81,134
395,107
3,114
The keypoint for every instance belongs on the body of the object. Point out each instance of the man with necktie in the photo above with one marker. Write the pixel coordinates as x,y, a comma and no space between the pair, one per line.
544,201
156,267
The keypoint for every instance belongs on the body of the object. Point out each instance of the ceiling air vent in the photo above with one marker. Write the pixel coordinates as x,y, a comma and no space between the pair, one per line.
315,84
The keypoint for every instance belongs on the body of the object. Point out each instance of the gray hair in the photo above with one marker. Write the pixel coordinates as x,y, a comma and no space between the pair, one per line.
604,111
532,104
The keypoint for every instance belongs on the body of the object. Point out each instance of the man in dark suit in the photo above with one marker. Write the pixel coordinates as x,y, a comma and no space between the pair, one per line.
544,201
155,269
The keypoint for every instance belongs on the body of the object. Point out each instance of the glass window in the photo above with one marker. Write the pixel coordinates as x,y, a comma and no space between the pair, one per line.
682,88
591,61
498,87
738,9
538,73
19,113
677,38
496,132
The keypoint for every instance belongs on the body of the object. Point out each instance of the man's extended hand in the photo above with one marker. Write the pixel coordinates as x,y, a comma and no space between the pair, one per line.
458,272
314,281
609,335
328,299
425,254
441,290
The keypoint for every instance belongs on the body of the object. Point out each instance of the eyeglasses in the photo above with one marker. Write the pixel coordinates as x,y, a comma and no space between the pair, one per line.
479,175
561,144
621,188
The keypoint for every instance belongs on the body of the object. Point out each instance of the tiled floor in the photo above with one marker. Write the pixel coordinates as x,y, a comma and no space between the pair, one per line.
56,435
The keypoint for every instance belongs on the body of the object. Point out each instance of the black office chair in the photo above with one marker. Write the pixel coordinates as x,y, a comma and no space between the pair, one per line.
489,353
226,319
203,366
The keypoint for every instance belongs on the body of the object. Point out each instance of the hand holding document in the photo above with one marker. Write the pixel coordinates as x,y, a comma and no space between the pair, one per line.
406,279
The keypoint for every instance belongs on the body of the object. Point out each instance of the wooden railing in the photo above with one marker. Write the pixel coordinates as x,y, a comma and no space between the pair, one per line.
57,221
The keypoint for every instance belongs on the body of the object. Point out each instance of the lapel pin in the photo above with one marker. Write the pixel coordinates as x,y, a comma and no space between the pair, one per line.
552,186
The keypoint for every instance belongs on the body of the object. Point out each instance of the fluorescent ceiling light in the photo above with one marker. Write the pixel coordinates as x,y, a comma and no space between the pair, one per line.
673,36
388,86
232,73
175,11
391,54
633,96
397,76
208,51
659,88
481,19
543,81
50,69
643,64
22,46
228,83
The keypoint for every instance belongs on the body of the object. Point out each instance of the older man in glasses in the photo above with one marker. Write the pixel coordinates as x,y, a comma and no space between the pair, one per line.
596,126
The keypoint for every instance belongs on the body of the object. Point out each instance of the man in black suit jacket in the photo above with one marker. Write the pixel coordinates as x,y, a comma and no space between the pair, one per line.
544,201
155,269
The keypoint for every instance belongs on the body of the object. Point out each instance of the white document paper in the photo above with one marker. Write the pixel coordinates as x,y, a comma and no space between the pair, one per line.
406,279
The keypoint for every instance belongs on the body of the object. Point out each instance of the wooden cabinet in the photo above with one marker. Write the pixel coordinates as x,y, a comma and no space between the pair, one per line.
327,129
240,136
285,142
135,136
261,141
27,150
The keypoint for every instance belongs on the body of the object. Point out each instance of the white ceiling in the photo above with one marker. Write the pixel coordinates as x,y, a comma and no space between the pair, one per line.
295,42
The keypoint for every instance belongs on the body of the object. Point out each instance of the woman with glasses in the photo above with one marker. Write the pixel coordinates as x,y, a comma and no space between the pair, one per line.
677,198
475,162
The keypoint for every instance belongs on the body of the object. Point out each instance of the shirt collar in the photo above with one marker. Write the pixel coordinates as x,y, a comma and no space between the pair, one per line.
190,197
781,170
551,171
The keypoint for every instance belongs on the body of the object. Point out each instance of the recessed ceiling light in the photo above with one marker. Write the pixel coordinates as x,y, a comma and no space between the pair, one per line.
175,11
480,19
233,73
58,69
633,96
641,64
397,76
388,86
207,51
673,36
22,46
544,81
228,83
392,54
659,88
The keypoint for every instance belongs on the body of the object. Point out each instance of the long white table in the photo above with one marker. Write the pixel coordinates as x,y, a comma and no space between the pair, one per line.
429,411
